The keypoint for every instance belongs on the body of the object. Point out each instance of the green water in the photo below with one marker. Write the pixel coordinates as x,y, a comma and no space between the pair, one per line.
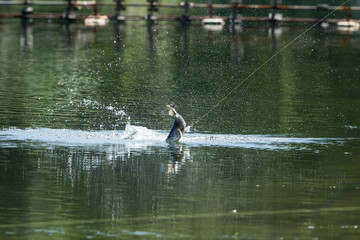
277,158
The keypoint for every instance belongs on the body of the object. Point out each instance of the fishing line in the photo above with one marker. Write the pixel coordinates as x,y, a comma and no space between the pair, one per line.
267,61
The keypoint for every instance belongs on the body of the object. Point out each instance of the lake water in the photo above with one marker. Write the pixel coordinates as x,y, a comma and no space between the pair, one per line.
273,152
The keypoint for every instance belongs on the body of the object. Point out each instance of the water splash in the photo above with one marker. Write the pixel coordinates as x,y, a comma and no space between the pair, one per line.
79,137
143,137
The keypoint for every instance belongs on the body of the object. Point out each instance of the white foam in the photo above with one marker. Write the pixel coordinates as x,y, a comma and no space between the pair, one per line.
143,137
257,141
79,137
141,133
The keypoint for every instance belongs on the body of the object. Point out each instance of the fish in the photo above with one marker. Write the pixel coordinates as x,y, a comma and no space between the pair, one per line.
178,127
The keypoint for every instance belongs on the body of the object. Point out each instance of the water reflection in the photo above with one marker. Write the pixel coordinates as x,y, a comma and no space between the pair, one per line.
77,36
185,45
275,193
322,50
120,37
213,28
237,49
27,37
274,33
71,35
179,154
152,30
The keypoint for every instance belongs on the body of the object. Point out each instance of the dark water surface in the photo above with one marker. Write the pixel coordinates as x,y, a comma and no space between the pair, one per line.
83,123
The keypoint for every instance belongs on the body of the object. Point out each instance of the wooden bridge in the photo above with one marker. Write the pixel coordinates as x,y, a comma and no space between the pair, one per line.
236,10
